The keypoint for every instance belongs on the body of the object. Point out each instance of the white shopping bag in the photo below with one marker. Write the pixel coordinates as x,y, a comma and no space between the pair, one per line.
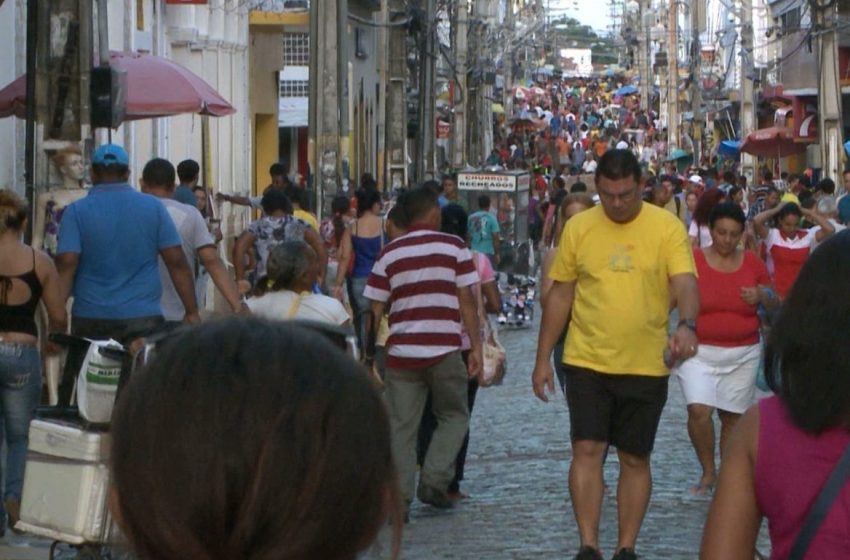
97,383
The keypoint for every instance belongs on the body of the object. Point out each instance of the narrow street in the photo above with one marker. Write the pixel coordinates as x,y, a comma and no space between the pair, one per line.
516,477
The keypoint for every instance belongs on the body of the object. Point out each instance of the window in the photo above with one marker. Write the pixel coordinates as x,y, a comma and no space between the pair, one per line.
296,49
294,88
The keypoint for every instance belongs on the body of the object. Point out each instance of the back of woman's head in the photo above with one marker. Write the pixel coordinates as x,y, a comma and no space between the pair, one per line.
246,439
367,198
807,360
13,211
706,203
288,261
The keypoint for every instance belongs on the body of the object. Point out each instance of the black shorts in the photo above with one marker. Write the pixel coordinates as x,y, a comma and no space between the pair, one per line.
623,410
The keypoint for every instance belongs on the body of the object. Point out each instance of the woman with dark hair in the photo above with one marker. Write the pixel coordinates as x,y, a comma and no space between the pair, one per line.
787,246
364,239
332,231
699,230
784,449
246,439
732,283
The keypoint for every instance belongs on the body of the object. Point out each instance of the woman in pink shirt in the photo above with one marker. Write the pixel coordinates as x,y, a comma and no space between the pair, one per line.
784,449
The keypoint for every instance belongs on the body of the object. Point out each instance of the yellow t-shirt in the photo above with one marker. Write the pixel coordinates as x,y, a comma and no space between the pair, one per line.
622,300
307,217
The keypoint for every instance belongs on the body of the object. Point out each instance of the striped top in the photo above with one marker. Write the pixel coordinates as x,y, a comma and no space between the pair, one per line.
419,274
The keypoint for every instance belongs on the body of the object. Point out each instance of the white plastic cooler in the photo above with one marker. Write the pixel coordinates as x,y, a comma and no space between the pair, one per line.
66,483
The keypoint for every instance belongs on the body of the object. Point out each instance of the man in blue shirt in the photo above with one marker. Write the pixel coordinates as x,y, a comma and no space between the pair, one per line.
109,244
484,231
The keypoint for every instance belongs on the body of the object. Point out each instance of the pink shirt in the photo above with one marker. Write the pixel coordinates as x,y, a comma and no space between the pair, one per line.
791,468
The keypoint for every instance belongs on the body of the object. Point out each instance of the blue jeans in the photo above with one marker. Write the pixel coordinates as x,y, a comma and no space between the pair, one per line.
20,390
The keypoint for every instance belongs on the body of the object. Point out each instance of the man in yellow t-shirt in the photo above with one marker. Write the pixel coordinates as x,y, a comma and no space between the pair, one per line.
615,269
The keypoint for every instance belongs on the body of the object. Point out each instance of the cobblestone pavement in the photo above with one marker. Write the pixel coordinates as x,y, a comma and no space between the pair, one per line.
517,477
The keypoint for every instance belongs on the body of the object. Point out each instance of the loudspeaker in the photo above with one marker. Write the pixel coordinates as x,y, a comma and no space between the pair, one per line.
108,87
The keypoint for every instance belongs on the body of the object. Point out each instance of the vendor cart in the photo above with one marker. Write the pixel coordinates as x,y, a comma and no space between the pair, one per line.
509,193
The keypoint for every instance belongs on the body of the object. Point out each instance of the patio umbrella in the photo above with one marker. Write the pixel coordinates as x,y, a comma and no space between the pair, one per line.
156,87
626,90
775,141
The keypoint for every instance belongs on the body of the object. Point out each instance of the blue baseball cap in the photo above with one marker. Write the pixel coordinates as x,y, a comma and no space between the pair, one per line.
110,154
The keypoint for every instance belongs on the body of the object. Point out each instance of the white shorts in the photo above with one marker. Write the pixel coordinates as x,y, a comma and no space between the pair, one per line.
720,377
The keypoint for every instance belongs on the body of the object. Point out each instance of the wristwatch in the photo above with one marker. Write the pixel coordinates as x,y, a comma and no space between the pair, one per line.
689,323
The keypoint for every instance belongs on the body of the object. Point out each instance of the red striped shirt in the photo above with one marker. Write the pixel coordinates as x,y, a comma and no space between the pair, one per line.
419,274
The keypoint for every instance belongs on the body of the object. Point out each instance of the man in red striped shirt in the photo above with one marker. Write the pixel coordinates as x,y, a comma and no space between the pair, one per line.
425,276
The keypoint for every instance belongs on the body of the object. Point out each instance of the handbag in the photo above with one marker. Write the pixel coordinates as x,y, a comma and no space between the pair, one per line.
829,493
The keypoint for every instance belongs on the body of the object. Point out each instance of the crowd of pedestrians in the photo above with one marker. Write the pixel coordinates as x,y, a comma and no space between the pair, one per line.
655,271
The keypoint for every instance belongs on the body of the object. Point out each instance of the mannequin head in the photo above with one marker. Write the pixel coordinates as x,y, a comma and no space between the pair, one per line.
69,163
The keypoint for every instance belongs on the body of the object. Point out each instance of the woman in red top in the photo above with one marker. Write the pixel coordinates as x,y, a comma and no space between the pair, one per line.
787,245
732,282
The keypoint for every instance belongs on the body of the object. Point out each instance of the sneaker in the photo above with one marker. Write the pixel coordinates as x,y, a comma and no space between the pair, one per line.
588,553
626,554
433,497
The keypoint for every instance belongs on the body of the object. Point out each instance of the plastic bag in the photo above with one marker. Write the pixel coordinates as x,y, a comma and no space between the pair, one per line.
97,383
495,359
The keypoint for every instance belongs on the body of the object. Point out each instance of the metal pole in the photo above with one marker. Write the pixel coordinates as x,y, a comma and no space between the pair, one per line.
643,38
29,148
103,32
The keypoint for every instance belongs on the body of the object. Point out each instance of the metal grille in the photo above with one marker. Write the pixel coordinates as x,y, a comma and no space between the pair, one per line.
294,88
296,49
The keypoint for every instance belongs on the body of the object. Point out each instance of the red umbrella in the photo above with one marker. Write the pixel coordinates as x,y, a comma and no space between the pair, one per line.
775,141
156,87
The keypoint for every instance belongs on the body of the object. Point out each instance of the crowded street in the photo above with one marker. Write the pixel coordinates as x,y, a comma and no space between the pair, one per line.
519,506
458,279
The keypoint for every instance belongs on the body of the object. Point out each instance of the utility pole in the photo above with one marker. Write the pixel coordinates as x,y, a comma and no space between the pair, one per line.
427,120
697,8
325,102
748,161
508,62
829,94
672,77
342,85
459,158
395,116
643,38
